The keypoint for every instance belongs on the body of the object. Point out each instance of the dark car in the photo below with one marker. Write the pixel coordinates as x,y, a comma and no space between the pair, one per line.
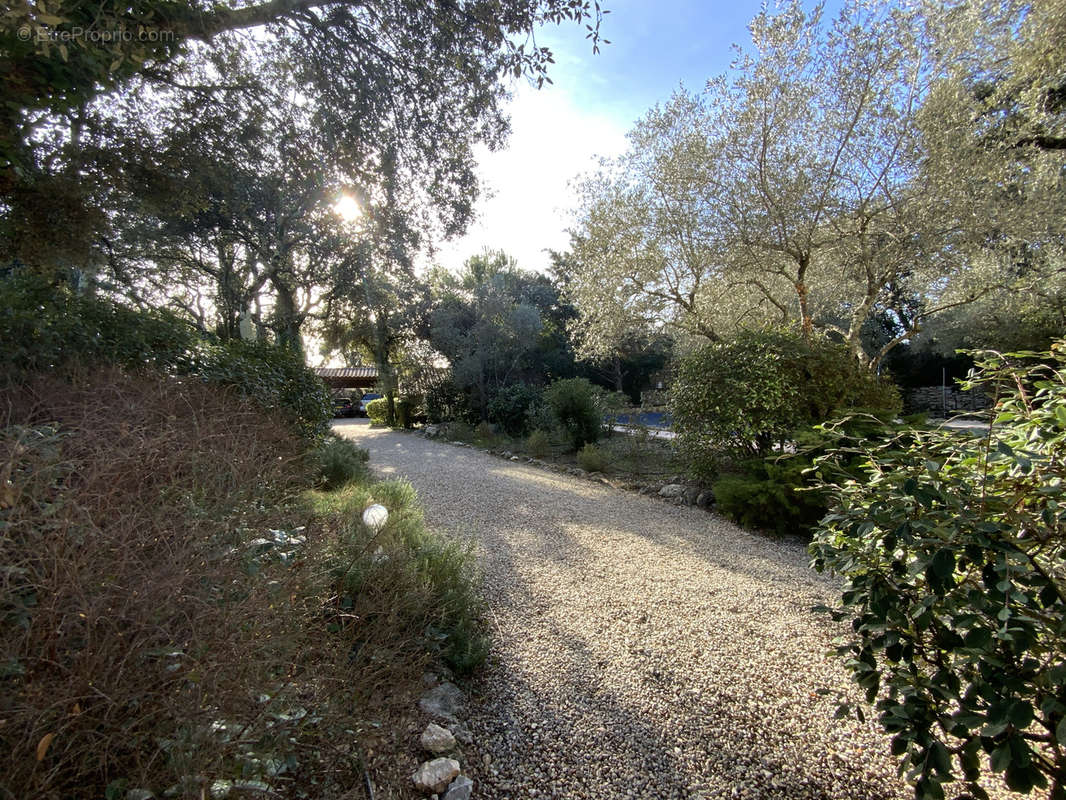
366,398
343,407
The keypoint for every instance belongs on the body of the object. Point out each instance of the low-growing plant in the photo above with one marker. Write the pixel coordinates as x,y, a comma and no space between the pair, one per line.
402,580
539,444
771,494
460,432
485,435
592,458
338,462
953,551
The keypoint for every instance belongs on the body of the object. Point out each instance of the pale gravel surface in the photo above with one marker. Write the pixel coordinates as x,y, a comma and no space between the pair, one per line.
640,649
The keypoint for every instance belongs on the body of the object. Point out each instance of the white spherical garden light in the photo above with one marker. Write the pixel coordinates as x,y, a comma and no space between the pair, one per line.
375,516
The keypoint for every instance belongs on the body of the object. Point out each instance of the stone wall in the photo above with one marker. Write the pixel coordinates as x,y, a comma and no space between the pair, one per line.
932,399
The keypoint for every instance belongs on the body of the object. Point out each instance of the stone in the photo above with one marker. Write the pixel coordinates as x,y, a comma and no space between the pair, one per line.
459,789
705,499
692,494
672,490
436,739
443,701
431,431
430,679
434,776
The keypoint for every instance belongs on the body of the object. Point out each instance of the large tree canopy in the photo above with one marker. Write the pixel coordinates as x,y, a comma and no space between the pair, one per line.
813,187
416,84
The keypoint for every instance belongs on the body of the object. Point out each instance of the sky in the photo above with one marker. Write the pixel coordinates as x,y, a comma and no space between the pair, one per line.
559,131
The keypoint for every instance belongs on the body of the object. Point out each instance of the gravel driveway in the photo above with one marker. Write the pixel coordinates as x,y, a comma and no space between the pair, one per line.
640,649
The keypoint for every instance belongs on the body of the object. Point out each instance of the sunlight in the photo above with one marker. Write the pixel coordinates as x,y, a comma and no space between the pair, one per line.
348,208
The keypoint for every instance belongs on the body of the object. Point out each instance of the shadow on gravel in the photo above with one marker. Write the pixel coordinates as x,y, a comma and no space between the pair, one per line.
626,720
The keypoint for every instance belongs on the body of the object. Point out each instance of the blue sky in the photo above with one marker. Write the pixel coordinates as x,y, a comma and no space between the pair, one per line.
559,131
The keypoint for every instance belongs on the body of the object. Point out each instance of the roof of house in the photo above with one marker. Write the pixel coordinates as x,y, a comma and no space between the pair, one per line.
346,372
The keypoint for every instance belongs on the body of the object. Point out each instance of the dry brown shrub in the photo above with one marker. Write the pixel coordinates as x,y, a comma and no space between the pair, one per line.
131,628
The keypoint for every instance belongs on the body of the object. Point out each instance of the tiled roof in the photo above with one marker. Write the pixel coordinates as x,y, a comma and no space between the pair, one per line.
346,372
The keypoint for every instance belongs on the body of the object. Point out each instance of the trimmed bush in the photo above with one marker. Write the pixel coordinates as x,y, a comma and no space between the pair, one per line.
509,408
378,411
573,401
738,399
953,555
592,458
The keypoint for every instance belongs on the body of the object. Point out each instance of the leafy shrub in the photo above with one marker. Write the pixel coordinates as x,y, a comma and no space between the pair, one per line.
953,552
378,411
539,444
274,377
338,462
737,399
574,404
44,327
592,458
445,402
509,408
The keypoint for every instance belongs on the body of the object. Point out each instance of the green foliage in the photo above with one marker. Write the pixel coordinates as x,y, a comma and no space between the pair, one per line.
952,550
445,402
338,462
574,403
417,578
509,408
378,411
43,327
539,444
739,398
275,377
770,494
592,458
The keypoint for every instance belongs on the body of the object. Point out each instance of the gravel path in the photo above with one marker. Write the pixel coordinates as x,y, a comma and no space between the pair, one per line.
641,649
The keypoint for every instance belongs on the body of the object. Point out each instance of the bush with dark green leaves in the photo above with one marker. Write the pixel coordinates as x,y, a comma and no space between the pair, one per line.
509,408
770,494
738,399
44,327
574,403
953,551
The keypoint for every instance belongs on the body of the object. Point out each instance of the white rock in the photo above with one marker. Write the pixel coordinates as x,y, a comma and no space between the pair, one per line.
436,739
672,490
434,776
445,700
460,789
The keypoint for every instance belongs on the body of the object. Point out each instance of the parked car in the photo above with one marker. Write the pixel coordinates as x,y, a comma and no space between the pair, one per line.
343,407
366,398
